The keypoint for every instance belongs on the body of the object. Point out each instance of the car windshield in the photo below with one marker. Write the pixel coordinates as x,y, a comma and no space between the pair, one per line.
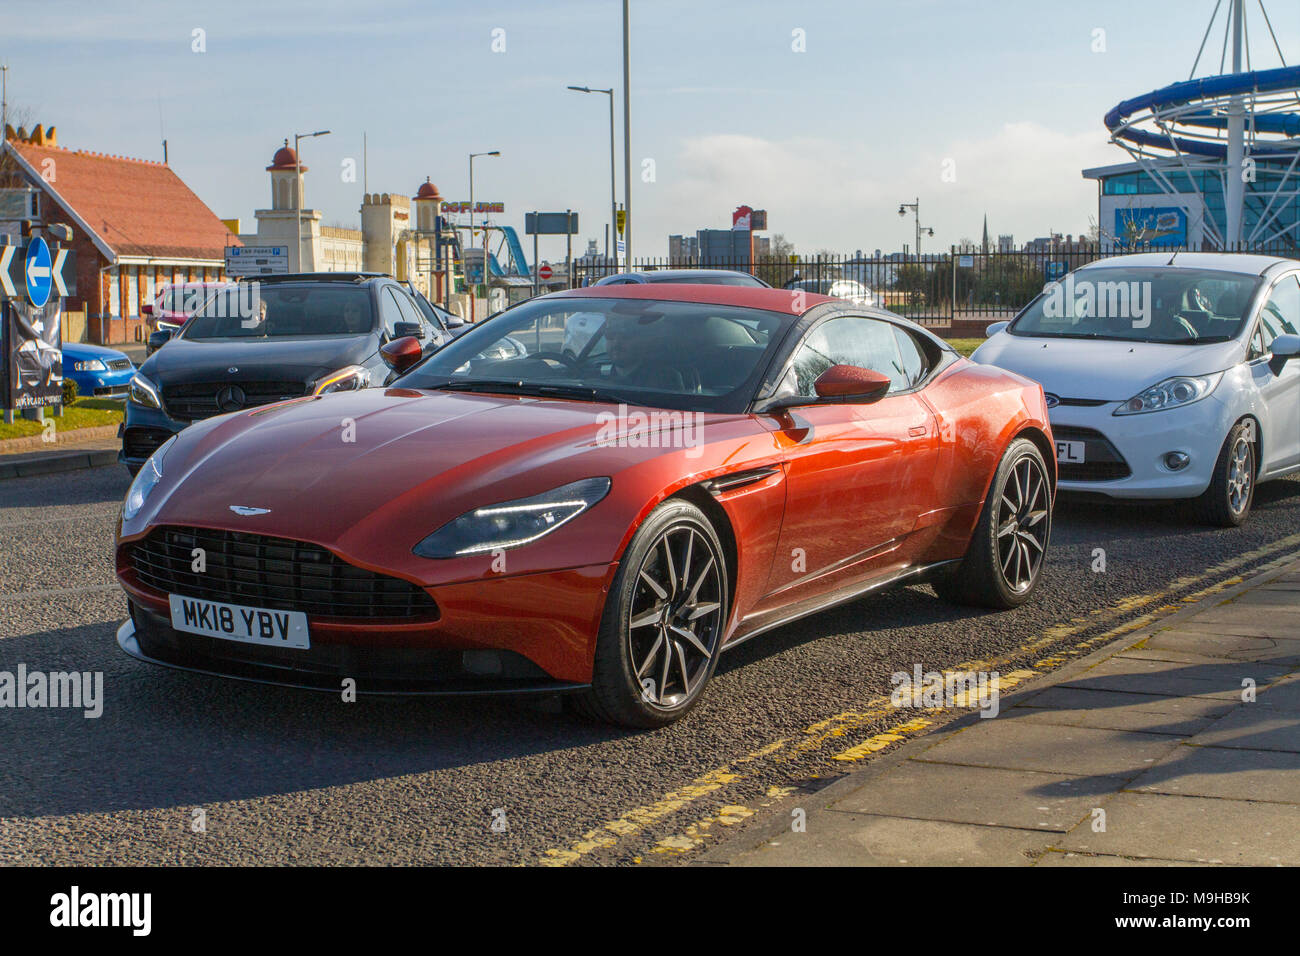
1136,304
835,287
183,299
719,279
263,310
681,355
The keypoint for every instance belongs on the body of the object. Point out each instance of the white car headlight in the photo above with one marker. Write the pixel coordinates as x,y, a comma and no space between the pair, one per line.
143,392
513,523
145,481
1171,393
344,380
93,365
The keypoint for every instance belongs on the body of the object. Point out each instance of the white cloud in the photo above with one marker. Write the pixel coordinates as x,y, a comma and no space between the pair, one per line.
843,194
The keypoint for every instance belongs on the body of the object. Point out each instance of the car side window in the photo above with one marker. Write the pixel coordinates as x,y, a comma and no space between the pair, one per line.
1281,313
390,313
410,311
914,361
848,340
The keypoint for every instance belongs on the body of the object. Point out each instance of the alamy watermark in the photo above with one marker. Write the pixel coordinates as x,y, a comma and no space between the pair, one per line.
78,690
634,428
1087,298
946,689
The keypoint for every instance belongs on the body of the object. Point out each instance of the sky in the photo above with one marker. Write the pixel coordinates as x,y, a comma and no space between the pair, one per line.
826,113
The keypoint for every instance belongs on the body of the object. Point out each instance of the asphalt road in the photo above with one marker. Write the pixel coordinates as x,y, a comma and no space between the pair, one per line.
292,777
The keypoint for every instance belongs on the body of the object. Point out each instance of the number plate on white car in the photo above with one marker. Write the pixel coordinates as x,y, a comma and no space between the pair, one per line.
1070,451
235,622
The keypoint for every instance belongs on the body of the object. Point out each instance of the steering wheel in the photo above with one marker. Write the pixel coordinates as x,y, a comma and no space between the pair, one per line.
559,358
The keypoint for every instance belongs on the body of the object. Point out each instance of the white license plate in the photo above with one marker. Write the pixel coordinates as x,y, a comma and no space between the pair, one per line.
1071,451
235,622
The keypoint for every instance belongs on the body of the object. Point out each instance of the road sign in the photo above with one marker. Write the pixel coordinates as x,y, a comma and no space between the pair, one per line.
550,224
620,220
966,262
244,261
59,278
37,272
622,247
544,273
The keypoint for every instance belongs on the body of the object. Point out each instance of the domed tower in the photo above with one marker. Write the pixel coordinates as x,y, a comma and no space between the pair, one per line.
286,223
428,205
284,170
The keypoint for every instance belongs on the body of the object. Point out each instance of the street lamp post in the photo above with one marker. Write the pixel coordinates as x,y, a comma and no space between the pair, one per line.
627,143
297,159
472,157
916,209
613,199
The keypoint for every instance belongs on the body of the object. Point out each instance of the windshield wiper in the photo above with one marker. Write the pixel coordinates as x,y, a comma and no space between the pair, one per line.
584,392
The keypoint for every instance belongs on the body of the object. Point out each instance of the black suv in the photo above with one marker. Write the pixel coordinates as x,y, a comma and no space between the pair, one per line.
269,339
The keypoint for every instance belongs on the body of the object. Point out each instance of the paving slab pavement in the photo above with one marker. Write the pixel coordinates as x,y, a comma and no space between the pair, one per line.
1176,747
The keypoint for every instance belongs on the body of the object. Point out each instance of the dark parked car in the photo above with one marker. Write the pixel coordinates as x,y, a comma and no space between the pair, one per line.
686,276
256,343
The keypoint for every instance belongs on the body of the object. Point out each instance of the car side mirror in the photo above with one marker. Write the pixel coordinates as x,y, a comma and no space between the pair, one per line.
1284,348
402,329
159,338
401,354
850,383
146,309
995,328
838,385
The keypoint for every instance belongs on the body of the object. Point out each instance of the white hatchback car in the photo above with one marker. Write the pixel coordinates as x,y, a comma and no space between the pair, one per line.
1168,375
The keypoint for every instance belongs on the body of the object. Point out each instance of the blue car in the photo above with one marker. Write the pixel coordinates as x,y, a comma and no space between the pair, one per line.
98,372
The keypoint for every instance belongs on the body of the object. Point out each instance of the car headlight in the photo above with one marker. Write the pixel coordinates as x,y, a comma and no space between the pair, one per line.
344,380
145,481
143,392
1171,393
513,523
94,365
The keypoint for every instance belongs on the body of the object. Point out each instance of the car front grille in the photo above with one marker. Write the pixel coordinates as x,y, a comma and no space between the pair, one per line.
260,571
143,442
195,402
117,365
1102,460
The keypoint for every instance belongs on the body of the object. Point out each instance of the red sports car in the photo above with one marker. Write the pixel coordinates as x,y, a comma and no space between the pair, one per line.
715,462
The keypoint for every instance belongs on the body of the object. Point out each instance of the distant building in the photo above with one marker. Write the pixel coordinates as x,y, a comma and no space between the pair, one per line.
683,249
135,227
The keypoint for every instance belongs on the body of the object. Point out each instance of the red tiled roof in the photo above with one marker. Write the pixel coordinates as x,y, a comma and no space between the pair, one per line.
137,207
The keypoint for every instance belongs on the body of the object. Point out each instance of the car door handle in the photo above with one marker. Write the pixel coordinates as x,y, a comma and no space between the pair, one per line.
917,430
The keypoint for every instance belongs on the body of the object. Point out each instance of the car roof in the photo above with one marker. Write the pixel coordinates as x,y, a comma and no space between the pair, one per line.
1242,263
747,297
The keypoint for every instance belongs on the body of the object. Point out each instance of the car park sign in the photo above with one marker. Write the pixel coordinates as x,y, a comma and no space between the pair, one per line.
245,261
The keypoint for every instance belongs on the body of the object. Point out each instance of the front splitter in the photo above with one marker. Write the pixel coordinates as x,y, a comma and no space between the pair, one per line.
376,687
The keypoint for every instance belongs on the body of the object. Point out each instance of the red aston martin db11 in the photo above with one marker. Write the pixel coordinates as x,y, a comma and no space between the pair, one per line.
711,463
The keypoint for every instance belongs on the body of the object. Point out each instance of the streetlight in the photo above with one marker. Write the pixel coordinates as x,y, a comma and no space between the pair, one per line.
627,141
297,158
613,201
472,157
903,207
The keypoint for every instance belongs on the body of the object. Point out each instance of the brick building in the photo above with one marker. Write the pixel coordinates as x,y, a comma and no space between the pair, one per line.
136,227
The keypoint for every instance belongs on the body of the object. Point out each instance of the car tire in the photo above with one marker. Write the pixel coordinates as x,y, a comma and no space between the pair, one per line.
663,624
1227,501
1004,561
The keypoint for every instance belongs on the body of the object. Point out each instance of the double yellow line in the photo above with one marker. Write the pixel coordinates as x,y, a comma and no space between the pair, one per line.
833,730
